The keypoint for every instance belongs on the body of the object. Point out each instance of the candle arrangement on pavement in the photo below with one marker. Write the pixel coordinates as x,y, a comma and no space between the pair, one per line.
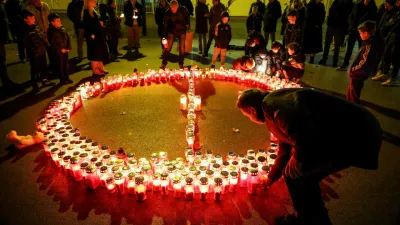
200,175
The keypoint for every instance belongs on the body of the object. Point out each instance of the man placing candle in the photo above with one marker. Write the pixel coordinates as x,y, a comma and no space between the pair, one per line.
308,125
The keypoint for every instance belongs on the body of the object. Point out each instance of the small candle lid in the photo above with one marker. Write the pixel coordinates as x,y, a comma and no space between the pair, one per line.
224,174
254,171
139,180
171,168
115,168
250,151
197,161
67,158
210,172
192,168
76,153
273,144
273,156
218,181
132,162
84,165
110,180
261,150
184,173
156,175
204,180
93,160
103,169
254,165
244,169
241,155
199,153
232,154
104,147
82,138
95,152
110,163
113,152
83,155
251,158
271,151
196,173
164,176
225,163
235,163
61,154
88,141
65,146
126,168
218,156
176,179
131,175
189,180
95,144
54,150
83,146
261,159
99,164
190,153
202,168
118,176
90,169
216,166
213,161
106,156
234,174
74,160
265,168
209,152
119,161
245,161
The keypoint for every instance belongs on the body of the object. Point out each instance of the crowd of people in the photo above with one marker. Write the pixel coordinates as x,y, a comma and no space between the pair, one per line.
302,36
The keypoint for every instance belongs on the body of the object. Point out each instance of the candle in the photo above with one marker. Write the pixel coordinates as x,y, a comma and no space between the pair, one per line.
243,176
110,185
253,181
131,184
91,178
164,184
217,189
140,189
203,188
183,101
197,102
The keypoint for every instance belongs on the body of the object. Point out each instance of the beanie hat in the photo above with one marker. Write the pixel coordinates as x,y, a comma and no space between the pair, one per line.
225,14
391,2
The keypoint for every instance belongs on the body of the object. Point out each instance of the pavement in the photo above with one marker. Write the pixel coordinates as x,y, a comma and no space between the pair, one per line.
34,191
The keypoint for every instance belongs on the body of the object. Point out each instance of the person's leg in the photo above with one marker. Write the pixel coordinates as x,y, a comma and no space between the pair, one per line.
136,36
272,37
3,67
65,68
79,40
182,38
354,90
33,61
353,37
215,56
209,41
130,38
167,50
328,42
204,41
201,36
395,54
223,55
339,34
266,37
20,45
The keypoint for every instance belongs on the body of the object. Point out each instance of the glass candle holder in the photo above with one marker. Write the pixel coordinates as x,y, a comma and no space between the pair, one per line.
233,182
140,189
110,185
251,152
217,189
131,186
177,186
156,182
243,176
119,180
189,189
261,152
225,181
218,158
244,163
253,181
54,154
83,157
83,166
91,178
103,175
66,165
60,161
164,184
203,188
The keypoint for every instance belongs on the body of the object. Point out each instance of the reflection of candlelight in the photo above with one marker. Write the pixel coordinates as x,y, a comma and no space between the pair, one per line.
177,190
131,187
243,179
141,192
156,185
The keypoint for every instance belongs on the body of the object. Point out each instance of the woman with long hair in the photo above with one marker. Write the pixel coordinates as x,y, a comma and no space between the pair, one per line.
95,37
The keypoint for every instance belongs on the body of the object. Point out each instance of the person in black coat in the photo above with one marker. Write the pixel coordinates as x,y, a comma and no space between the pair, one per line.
74,13
273,12
108,14
293,30
364,63
176,23
133,13
362,11
5,80
159,17
60,46
188,5
13,9
312,38
276,57
306,123
260,6
95,38
214,18
294,5
202,14
254,21
337,28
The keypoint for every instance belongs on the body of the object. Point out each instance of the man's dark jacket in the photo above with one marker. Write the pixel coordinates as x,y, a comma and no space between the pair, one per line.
273,12
261,8
318,128
362,13
74,13
254,22
393,37
58,39
128,13
365,61
215,15
175,23
35,44
339,13
386,22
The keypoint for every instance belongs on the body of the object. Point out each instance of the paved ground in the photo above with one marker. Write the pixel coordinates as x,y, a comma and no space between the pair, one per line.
34,191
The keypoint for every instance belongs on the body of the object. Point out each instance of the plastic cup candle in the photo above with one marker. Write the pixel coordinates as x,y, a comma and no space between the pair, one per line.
91,178
164,184
243,176
203,188
271,159
156,182
183,102
217,189
253,181
197,102
131,187
103,175
140,189
66,166
120,183
110,185
233,181
189,189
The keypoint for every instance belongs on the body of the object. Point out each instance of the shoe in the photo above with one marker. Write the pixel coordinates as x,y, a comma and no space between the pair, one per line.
119,54
163,66
389,82
47,83
22,61
322,62
380,77
205,54
181,66
200,53
105,72
79,58
212,67
311,60
67,81
343,67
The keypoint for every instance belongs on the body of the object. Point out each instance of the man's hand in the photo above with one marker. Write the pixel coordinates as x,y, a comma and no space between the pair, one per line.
265,183
293,168
102,23
206,15
63,50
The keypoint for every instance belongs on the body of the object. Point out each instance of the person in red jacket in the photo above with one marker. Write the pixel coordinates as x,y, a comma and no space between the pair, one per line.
307,124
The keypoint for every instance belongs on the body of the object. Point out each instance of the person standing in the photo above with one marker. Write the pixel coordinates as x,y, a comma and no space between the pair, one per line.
159,18
5,80
293,29
13,9
113,28
337,28
312,38
364,63
133,20
214,18
74,13
95,38
41,12
176,23
223,35
254,21
294,5
261,8
202,14
306,123
362,11
273,12
60,45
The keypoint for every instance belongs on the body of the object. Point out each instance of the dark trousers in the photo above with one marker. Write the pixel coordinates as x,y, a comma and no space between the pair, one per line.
60,68
211,36
391,56
3,66
306,192
354,90
337,34
171,39
351,41
21,46
38,69
381,45
113,44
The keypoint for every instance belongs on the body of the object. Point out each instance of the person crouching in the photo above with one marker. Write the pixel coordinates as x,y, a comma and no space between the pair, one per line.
294,68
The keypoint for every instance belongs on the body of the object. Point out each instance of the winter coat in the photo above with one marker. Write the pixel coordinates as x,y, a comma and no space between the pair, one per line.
276,59
308,123
96,48
254,22
34,41
312,34
128,13
292,33
3,25
223,35
362,13
394,33
188,5
58,39
159,18
339,13
273,12
111,21
13,9
215,14
201,20
386,22
301,16
41,16
364,63
175,23
261,8
74,13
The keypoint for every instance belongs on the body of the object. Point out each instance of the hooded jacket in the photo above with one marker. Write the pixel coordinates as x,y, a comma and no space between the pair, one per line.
365,61
58,39
362,13
308,124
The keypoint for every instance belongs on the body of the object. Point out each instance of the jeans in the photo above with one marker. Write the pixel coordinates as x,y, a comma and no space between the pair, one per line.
354,90
351,41
218,51
391,56
171,39
202,42
266,36
337,34
133,36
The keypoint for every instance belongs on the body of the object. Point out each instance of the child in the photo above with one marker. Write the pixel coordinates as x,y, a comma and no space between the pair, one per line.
292,30
276,57
254,21
202,14
364,63
294,68
35,45
254,43
245,64
223,35
60,46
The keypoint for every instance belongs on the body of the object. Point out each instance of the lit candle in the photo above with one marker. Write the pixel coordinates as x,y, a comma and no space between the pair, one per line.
110,185
156,182
164,184
140,189
252,184
203,188
131,184
217,189
197,102
243,176
233,181
91,178
183,101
